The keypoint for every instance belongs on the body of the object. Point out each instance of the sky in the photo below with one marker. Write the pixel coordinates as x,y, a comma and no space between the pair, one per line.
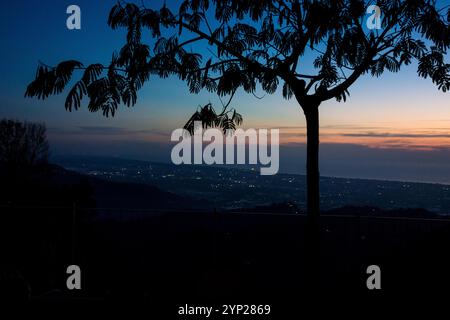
394,127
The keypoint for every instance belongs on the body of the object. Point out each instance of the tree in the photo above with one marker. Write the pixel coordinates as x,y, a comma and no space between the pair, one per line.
224,45
22,144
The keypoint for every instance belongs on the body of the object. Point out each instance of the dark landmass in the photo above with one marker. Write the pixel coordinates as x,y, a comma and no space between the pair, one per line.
53,186
162,260
165,252
349,211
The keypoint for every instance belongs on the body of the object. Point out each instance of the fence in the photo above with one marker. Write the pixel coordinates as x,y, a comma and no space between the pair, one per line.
168,248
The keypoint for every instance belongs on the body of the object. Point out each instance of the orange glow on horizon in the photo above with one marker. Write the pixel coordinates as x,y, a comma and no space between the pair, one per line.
381,138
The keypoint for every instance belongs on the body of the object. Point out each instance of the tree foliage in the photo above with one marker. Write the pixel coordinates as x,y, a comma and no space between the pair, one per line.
226,120
23,143
225,45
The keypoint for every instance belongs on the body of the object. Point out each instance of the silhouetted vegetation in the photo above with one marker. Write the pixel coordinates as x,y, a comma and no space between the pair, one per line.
31,233
23,144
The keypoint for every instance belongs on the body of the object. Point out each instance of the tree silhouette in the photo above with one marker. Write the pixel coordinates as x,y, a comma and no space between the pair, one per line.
224,45
22,144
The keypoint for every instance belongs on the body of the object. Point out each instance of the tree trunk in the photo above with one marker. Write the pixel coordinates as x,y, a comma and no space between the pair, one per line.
312,163
313,200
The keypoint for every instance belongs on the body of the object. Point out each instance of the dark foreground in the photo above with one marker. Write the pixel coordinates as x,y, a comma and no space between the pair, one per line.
166,260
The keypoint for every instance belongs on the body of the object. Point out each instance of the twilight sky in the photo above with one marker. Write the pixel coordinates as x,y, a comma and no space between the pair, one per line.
393,127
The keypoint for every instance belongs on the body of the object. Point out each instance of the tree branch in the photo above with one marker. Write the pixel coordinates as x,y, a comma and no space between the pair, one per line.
229,50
